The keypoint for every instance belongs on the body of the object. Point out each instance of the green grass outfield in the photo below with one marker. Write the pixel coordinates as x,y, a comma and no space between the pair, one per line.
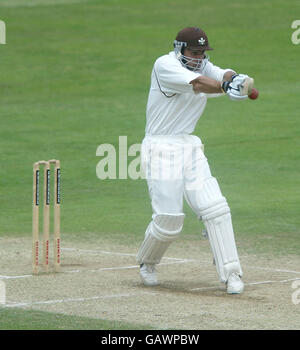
75,74
39,320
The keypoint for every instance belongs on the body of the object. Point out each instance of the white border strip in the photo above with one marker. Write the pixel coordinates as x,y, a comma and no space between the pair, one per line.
249,284
116,253
13,277
70,300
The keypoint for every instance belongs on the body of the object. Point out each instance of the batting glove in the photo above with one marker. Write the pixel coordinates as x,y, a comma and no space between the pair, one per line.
237,87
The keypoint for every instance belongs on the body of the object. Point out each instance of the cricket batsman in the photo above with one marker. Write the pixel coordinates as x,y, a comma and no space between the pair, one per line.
173,159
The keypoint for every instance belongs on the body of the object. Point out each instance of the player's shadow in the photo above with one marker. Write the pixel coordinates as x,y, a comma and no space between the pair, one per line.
203,288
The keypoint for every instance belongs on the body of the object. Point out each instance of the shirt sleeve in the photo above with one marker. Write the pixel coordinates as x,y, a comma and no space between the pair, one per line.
214,72
172,77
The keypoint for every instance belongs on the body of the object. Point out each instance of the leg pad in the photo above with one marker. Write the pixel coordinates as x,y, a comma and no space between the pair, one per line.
216,217
162,230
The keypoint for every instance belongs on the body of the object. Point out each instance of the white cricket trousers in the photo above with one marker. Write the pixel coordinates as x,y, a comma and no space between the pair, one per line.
175,168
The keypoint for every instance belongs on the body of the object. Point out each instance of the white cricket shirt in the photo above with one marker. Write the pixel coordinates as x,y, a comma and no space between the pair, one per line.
173,108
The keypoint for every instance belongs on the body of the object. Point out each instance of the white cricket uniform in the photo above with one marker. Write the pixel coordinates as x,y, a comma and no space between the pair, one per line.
173,108
176,167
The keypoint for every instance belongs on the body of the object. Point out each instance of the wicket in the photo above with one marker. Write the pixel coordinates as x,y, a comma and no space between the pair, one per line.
46,216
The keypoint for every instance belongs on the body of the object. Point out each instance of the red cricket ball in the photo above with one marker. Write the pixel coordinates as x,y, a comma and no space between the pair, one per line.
254,94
